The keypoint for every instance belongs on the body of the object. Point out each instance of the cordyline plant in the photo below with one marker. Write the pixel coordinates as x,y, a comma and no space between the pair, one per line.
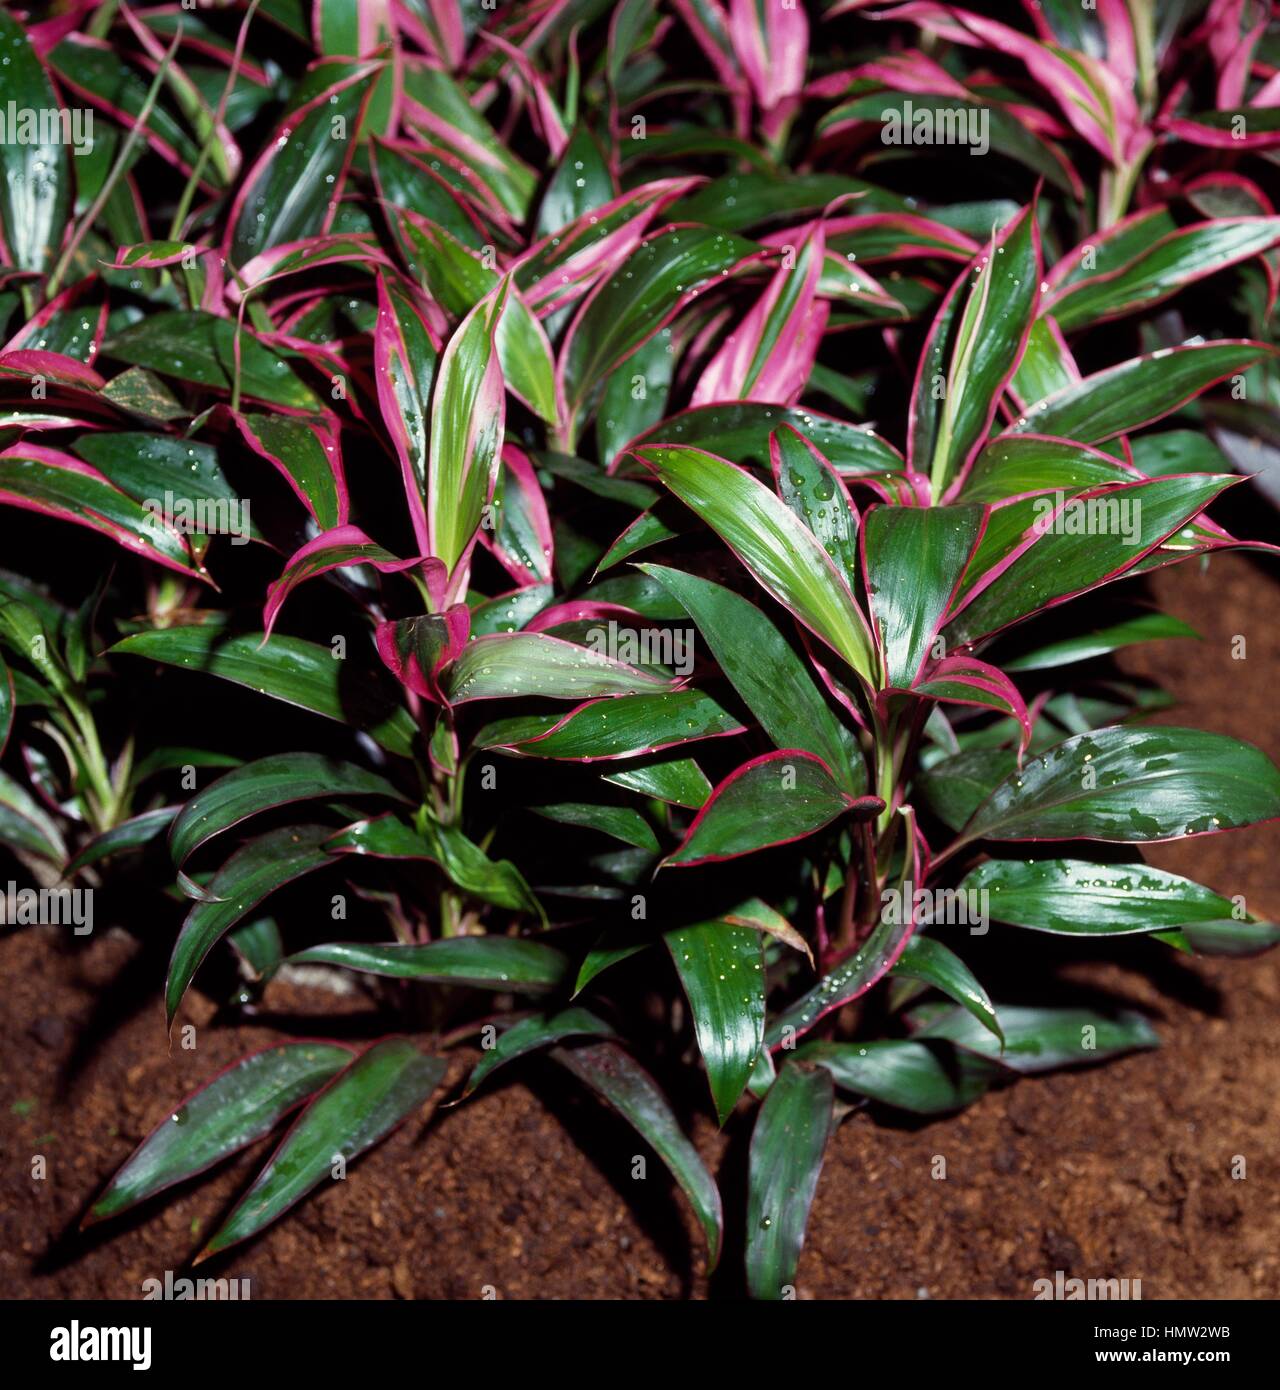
511,324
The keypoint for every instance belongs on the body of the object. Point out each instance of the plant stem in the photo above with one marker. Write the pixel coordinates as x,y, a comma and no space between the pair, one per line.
189,192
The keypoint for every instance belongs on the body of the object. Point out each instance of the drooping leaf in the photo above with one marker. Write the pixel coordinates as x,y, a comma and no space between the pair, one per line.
1131,784
193,346
1075,897
252,873
238,1107
626,1086
362,1105
288,668
504,963
277,780
928,960
530,1034
923,1078
787,1148
496,881
1037,1040
722,970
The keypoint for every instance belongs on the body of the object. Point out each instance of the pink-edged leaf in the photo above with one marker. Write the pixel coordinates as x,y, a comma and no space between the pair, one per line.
467,414
510,665
1094,100
914,558
416,650
307,455
311,253
292,192
1162,269
1138,392
872,961
55,484
564,265
965,680
775,545
973,349
405,354
1040,561
770,355
342,546
771,40
774,799
624,726
521,536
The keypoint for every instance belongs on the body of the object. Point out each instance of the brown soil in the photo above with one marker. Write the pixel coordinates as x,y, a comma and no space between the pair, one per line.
1119,1171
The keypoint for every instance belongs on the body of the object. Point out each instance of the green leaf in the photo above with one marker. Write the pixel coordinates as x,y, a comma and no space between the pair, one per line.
146,465
625,726
740,432
765,670
24,825
8,703
722,970
1121,398
1037,1040
772,800
466,430
626,1086
914,558
200,348
237,1108
1132,784
287,668
292,194
580,184
1147,627
1017,464
856,974
128,835
973,350
622,822
779,550
679,781
505,963
530,1034
955,787
808,484
1225,938
787,1148
467,865
510,664
377,1092
1162,268
307,458
1118,527
60,486
34,175
1077,898
252,873
935,964
664,273
924,1078
277,780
